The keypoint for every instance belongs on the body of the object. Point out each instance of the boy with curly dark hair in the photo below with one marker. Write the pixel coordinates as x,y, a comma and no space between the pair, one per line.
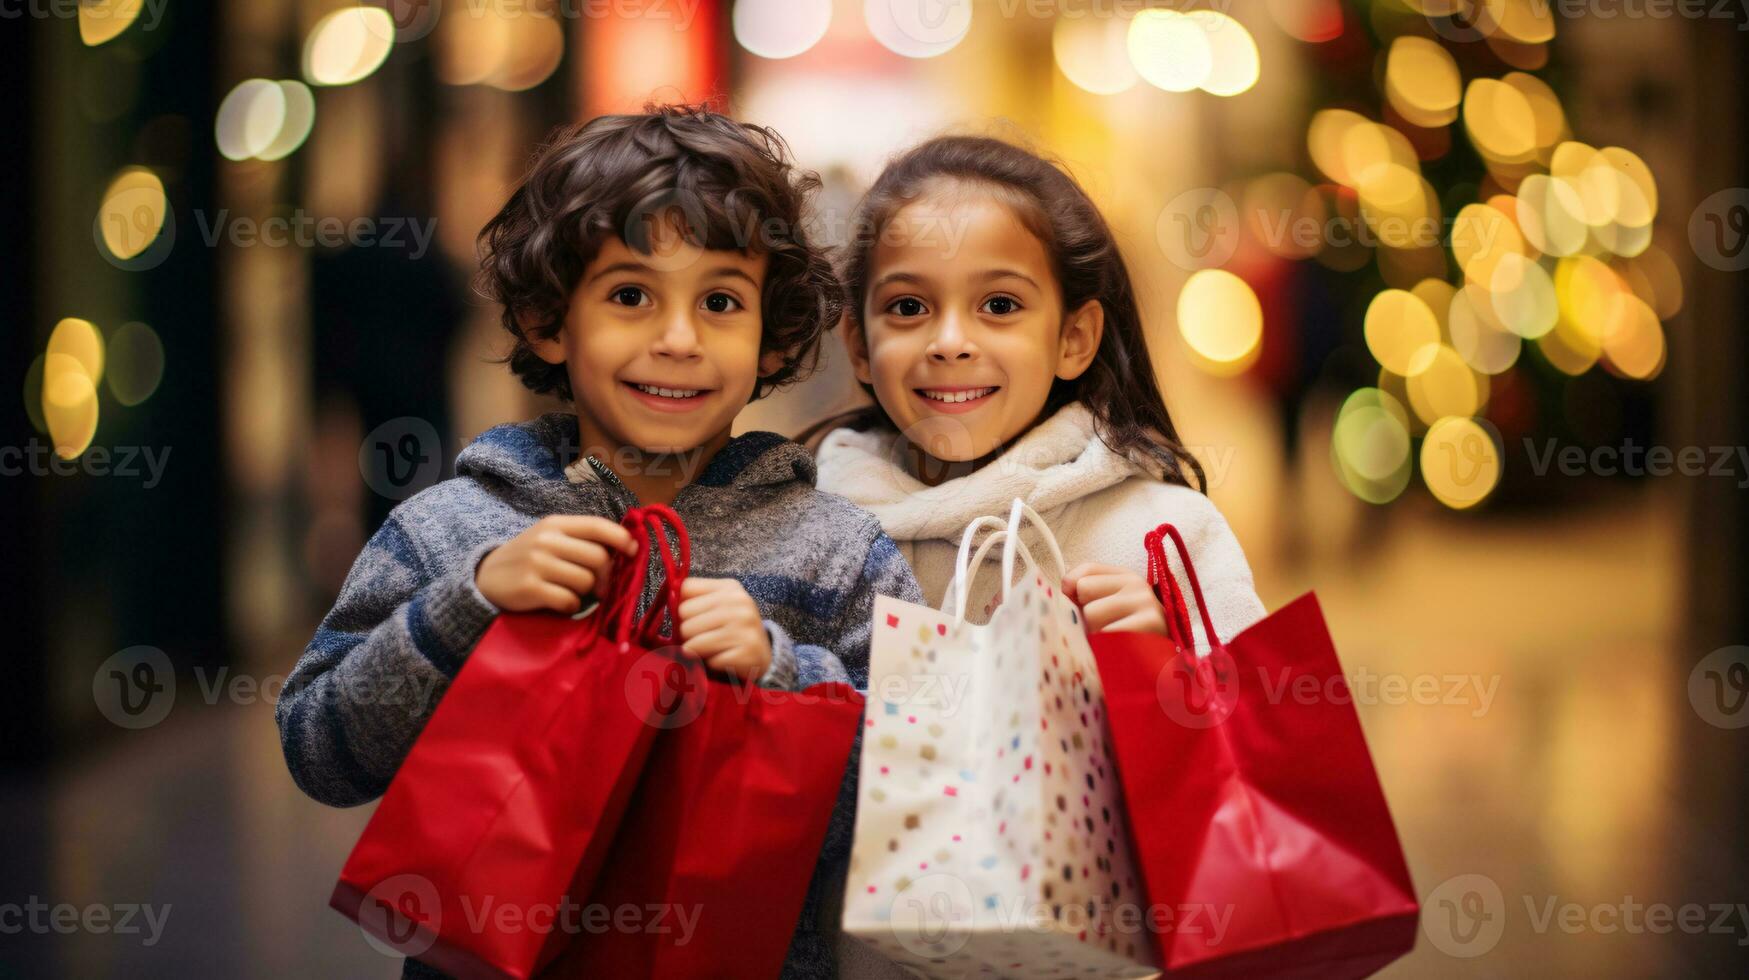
654,270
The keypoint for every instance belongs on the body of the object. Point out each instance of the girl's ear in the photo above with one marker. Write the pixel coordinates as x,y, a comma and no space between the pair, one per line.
856,343
1082,331
549,349
771,362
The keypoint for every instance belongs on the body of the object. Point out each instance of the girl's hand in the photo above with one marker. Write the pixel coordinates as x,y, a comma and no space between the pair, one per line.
1114,599
553,564
720,624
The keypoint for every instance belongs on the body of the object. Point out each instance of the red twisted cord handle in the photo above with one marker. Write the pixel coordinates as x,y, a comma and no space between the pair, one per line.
630,573
1166,588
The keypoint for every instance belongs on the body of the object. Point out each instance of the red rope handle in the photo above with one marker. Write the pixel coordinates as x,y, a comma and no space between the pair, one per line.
630,573
1160,574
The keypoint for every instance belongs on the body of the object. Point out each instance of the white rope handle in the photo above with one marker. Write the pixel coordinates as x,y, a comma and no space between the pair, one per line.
967,565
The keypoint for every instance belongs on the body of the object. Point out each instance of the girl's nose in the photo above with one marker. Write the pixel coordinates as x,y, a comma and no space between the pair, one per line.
950,342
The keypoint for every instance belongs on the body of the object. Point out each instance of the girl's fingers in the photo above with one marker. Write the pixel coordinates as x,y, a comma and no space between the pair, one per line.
694,587
1101,613
716,641
1098,585
588,554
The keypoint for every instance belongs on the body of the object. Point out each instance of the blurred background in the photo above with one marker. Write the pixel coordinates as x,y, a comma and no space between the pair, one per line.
1448,295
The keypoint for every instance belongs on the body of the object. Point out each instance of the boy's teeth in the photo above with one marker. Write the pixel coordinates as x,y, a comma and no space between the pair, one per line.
957,396
668,392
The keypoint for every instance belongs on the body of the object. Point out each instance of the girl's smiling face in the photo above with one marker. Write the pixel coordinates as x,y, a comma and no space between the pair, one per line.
963,327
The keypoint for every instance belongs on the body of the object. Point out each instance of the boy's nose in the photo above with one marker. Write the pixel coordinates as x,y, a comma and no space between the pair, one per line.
679,337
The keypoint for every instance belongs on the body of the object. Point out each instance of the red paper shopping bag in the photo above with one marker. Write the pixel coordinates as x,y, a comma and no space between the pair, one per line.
517,782
712,862
1250,801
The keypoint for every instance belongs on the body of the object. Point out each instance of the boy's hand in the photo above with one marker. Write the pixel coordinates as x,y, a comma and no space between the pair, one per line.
1114,599
720,624
554,564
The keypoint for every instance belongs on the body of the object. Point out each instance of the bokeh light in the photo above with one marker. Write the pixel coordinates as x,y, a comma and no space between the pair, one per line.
1093,53
1169,50
348,45
1370,446
136,363
1460,462
131,214
780,28
918,30
250,118
1221,320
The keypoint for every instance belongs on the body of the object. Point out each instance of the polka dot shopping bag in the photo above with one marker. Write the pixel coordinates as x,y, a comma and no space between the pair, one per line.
990,829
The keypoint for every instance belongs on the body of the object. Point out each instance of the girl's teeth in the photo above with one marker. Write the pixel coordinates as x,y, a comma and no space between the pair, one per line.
669,392
957,396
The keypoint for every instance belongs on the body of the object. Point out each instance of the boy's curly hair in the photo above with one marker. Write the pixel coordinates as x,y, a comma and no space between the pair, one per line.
730,186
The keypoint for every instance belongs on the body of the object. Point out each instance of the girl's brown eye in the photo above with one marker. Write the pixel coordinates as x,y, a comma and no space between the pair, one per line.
1002,305
907,306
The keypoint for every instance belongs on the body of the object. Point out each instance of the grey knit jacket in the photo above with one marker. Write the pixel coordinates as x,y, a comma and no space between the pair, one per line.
408,612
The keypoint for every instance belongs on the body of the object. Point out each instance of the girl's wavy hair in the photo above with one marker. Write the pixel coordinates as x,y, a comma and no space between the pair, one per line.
1118,388
726,185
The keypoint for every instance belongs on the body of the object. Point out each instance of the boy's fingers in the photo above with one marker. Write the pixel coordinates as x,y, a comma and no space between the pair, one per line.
558,598
588,554
706,622
598,529
567,575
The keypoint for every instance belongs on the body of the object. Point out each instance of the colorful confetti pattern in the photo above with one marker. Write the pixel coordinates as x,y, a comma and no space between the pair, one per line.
990,836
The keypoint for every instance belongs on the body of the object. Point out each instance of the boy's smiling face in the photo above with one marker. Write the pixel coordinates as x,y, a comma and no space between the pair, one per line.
662,349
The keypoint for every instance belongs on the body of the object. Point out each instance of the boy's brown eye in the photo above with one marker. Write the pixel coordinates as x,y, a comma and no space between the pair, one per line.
628,295
721,303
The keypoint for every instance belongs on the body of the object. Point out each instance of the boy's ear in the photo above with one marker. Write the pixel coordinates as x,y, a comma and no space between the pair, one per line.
1082,331
856,344
549,349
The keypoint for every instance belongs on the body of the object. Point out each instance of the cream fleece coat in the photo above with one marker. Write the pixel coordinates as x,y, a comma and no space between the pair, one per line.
1099,505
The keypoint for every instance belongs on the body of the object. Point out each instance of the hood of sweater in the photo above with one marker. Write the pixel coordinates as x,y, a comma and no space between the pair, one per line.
539,466
1060,461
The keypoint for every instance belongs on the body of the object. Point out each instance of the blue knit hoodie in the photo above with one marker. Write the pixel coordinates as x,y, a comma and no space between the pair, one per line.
409,612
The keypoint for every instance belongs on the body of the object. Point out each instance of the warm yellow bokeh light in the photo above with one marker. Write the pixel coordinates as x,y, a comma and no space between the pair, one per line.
1093,52
1398,325
1221,320
349,44
1234,63
69,404
1169,50
1460,462
78,339
1422,81
300,118
1483,342
132,212
1500,121
1441,384
780,28
104,20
